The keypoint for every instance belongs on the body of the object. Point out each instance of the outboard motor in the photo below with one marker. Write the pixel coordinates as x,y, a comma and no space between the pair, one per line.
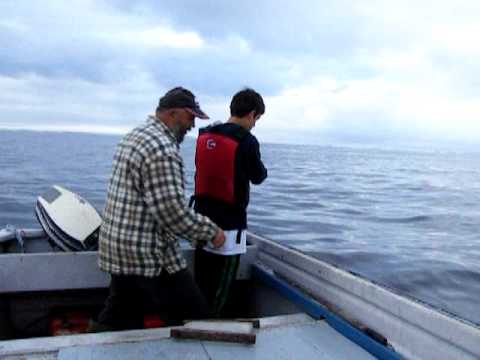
70,222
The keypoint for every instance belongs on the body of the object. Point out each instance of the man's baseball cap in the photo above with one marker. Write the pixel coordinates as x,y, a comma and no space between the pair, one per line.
180,97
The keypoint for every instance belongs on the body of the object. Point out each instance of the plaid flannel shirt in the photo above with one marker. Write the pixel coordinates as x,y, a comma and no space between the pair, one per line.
145,210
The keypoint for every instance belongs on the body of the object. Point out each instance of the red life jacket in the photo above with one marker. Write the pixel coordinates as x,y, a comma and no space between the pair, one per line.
215,166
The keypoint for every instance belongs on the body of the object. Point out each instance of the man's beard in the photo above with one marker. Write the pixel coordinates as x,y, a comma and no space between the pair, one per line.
179,133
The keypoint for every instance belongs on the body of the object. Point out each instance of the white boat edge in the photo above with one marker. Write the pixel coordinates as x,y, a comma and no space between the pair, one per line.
415,330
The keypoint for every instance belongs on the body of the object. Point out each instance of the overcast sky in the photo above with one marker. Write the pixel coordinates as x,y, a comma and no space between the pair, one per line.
330,71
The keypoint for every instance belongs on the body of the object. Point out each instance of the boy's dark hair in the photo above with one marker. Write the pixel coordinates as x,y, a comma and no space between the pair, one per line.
247,100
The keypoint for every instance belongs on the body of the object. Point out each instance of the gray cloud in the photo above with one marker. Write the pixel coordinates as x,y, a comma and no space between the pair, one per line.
41,41
322,28
288,42
218,73
58,50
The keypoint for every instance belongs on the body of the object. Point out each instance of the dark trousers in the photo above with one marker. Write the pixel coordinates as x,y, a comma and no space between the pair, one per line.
174,297
215,275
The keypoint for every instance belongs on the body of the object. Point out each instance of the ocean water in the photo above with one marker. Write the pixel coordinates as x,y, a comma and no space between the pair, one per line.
406,219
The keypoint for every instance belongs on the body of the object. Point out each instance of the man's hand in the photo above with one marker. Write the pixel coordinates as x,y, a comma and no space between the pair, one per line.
219,239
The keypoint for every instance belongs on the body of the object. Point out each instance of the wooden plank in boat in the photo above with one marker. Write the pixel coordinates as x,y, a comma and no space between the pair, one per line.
241,326
213,335
217,330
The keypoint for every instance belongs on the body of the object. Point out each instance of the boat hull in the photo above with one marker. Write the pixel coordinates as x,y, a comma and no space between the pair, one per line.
414,329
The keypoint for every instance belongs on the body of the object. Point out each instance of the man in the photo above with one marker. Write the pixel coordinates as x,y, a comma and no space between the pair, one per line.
145,213
227,159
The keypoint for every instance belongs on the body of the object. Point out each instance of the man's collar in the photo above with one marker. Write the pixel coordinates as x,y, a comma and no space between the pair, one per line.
157,122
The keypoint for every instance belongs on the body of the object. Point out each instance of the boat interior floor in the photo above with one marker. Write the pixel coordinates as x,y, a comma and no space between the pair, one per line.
293,336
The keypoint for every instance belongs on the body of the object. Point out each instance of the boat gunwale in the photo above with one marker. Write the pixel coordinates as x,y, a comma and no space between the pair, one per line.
350,292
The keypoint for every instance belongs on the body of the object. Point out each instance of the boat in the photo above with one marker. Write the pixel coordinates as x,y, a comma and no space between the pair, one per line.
286,305
303,308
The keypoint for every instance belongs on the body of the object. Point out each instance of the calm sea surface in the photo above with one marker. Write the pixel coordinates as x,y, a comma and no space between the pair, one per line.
406,219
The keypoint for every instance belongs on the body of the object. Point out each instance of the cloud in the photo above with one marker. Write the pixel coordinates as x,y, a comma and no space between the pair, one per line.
329,70
374,109
157,37
273,26
34,100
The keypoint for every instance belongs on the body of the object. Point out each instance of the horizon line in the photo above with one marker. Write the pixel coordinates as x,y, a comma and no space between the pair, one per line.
82,128
122,130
